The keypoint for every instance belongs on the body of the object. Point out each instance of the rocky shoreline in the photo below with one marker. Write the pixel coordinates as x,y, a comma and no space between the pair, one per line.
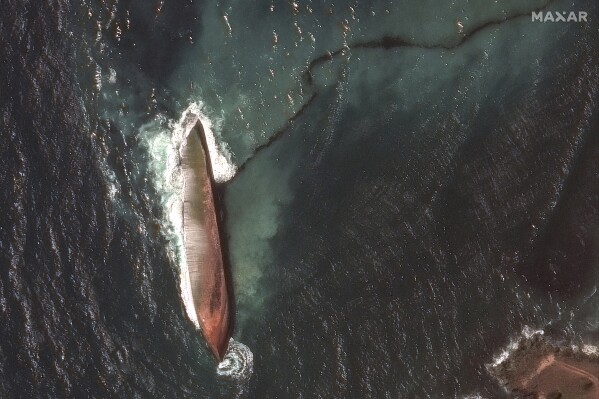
537,368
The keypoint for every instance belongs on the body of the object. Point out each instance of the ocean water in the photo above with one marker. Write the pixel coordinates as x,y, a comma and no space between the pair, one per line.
407,187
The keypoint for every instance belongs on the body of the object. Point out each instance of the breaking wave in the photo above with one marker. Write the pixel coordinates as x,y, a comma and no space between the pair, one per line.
238,363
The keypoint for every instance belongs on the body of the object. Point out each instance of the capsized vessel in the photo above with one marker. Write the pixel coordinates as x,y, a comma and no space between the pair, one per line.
203,243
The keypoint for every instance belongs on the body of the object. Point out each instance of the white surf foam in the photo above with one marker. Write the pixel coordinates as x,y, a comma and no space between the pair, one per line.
238,363
590,350
473,396
587,349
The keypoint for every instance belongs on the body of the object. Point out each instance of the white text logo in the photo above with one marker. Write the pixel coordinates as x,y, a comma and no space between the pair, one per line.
557,16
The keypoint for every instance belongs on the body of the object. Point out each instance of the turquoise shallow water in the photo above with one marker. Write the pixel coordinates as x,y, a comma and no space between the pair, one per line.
408,186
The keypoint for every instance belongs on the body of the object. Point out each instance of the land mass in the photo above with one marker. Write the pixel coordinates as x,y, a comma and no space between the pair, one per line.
539,369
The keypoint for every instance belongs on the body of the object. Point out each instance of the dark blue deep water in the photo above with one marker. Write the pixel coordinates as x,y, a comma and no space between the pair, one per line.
416,186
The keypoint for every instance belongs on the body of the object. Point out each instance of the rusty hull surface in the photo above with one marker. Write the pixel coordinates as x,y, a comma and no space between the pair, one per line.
203,244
